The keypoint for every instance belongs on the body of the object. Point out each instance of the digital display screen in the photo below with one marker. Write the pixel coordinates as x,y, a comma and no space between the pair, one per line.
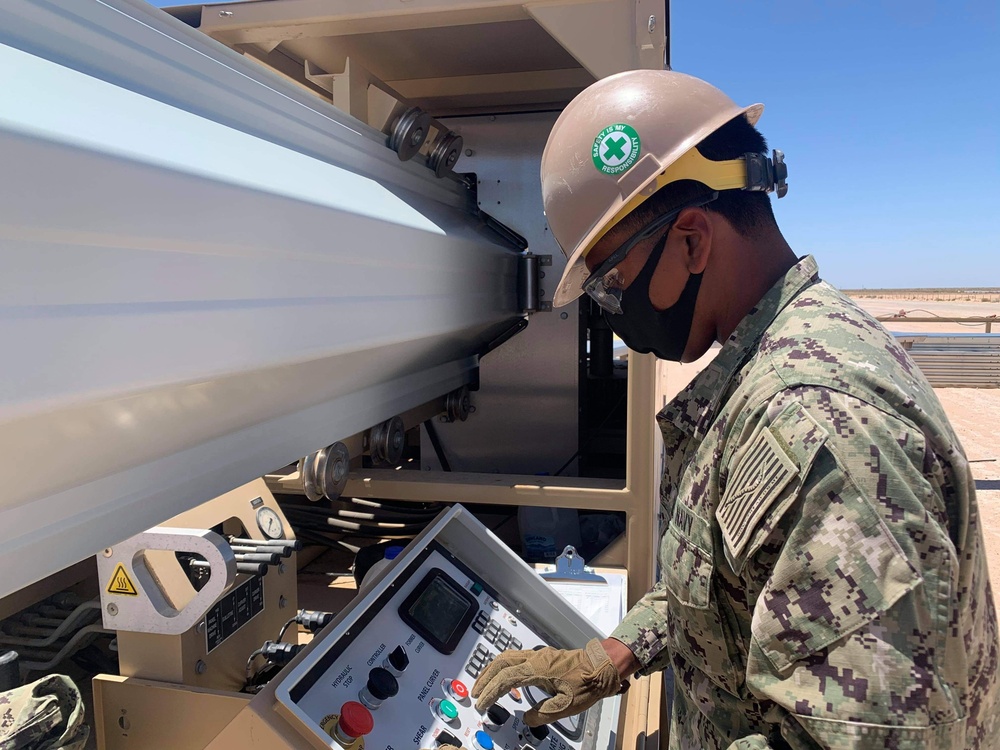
439,609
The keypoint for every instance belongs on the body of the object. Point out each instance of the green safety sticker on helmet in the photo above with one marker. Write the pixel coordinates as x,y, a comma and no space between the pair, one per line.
616,148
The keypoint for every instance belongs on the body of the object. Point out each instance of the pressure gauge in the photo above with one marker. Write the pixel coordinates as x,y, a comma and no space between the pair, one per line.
269,522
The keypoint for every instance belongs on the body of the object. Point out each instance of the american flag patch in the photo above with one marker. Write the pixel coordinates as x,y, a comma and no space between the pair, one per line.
761,473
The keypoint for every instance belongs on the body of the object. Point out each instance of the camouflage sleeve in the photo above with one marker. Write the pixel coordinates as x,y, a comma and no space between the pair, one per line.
850,628
45,715
642,630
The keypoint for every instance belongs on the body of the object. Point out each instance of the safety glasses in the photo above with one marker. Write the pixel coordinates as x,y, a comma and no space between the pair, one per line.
606,283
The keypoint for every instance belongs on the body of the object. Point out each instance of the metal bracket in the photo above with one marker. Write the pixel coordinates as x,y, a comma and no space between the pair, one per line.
529,293
132,598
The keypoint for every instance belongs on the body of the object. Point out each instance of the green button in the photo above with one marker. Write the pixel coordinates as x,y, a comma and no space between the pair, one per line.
477,589
448,710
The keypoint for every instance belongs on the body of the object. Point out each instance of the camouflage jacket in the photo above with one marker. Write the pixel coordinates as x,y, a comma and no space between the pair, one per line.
823,578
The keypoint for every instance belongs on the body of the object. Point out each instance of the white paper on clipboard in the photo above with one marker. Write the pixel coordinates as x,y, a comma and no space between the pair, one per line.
599,598
601,603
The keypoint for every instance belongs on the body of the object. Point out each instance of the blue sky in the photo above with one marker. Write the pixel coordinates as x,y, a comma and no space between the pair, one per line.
887,113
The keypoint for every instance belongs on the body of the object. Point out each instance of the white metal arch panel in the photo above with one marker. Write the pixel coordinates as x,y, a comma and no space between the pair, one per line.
184,307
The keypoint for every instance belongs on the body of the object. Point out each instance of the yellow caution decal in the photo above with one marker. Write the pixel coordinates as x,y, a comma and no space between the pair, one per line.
329,723
121,584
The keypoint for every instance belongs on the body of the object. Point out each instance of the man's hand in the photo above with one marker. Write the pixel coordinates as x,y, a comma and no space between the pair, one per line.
576,679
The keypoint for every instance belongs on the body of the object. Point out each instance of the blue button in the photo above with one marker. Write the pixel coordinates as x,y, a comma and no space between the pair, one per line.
484,741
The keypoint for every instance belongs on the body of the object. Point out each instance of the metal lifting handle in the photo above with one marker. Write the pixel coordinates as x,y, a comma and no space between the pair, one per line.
132,598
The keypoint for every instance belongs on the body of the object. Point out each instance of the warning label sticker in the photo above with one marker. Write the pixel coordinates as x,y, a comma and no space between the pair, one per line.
121,584
233,611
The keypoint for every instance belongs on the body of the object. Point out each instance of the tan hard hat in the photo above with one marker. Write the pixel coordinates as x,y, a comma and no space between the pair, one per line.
617,143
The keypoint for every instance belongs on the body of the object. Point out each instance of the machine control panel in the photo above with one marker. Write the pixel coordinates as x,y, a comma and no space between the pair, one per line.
408,662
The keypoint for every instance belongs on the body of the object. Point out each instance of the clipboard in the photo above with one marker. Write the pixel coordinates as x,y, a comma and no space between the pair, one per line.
599,594
571,567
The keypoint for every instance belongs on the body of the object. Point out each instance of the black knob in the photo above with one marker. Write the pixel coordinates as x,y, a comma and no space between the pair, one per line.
381,684
539,733
498,715
398,659
447,738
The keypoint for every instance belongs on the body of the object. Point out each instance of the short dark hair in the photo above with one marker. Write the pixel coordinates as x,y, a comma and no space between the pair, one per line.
749,213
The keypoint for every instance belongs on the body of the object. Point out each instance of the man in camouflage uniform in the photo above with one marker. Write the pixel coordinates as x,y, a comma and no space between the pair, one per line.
823,582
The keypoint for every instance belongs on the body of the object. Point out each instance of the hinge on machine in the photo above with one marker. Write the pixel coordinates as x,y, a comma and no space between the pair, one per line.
529,291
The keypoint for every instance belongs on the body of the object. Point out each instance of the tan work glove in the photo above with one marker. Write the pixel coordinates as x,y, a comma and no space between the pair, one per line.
576,680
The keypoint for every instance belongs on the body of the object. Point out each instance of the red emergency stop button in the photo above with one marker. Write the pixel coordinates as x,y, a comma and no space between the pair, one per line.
355,721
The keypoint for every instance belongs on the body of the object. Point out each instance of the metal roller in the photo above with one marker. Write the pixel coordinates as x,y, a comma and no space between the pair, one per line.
324,473
386,441
444,155
409,133
458,405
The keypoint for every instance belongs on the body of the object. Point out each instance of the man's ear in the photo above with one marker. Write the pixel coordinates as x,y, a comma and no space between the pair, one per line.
693,227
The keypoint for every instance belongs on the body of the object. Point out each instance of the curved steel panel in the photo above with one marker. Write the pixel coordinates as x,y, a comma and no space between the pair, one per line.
184,307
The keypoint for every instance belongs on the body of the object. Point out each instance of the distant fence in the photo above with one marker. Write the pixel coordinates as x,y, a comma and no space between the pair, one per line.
987,320
981,294
956,360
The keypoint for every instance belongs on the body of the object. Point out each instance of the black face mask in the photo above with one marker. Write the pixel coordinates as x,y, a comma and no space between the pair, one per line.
645,329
